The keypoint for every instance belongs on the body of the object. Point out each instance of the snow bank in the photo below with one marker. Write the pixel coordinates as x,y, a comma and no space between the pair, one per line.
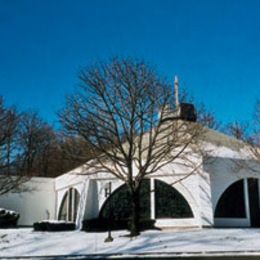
54,221
7,211
25,242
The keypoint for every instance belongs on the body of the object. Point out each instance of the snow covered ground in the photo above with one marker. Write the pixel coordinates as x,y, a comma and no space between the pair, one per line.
26,242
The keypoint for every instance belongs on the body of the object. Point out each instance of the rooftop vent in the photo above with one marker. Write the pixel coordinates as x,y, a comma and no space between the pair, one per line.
187,112
184,111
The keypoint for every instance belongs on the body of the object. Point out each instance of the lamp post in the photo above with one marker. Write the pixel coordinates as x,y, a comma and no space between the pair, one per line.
107,194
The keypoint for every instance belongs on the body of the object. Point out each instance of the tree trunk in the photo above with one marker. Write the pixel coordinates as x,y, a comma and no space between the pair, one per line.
135,213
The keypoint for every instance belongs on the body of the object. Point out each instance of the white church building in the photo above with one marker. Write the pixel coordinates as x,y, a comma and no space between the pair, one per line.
223,191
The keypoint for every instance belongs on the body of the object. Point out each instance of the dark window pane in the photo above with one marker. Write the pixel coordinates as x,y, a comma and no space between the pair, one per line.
169,203
65,212
63,208
145,200
70,204
120,203
76,204
231,203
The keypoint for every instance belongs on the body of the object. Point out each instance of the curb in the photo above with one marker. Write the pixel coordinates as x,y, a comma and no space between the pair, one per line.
153,255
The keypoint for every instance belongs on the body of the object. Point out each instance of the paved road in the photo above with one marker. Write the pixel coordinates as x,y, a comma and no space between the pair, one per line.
201,256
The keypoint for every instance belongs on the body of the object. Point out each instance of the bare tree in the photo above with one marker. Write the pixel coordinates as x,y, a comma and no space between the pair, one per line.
124,111
10,179
249,133
254,139
36,140
238,130
8,124
207,118
42,151
71,152
29,147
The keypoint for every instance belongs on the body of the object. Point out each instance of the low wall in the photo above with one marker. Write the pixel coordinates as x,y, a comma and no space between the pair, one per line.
36,203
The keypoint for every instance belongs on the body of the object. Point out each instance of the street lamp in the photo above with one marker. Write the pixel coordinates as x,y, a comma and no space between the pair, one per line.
107,194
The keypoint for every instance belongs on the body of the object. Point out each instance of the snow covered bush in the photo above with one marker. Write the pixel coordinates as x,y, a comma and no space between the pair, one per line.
53,225
8,218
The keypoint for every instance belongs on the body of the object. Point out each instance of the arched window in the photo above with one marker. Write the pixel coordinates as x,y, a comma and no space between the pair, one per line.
119,203
169,203
231,203
69,205
63,208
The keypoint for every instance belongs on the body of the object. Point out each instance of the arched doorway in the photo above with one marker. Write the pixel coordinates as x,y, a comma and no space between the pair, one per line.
69,205
240,200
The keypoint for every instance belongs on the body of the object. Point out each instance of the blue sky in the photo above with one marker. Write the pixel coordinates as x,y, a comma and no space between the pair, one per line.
212,45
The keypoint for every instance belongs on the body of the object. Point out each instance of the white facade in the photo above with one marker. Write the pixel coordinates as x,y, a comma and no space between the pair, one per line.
226,163
37,202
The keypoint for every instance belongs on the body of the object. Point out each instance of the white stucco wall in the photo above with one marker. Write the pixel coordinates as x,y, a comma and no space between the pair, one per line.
92,191
35,204
186,178
63,183
224,172
188,188
202,189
